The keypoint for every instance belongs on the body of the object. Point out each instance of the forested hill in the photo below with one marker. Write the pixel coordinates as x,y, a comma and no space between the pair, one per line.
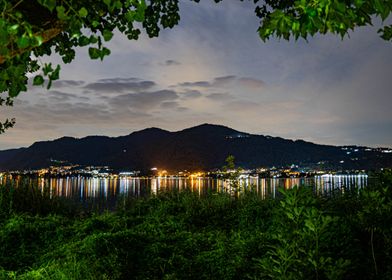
203,147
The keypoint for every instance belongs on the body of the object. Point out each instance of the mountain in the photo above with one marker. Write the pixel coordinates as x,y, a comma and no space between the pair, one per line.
203,147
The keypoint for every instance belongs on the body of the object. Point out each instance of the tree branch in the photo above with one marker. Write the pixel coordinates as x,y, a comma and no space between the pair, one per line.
46,35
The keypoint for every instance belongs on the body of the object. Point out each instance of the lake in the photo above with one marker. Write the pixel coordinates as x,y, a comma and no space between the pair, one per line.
109,189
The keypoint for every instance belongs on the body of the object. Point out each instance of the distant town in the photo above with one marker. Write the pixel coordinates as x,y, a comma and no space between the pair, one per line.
293,171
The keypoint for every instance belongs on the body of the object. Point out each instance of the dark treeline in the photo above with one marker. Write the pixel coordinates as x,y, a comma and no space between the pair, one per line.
346,235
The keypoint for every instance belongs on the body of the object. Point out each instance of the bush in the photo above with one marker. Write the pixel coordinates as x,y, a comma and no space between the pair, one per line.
181,236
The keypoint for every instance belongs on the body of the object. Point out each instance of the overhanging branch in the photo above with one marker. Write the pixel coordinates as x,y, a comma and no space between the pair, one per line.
46,36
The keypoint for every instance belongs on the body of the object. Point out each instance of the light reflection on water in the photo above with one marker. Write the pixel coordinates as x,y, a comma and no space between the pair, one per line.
85,188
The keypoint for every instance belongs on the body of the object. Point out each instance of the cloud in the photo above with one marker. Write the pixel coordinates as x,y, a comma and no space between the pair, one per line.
216,82
143,100
60,113
119,86
182,109
59,96
195,84
118,80
170,62
251,83
219,96
21,102
226,81
169,104
190,94
67,83
223,81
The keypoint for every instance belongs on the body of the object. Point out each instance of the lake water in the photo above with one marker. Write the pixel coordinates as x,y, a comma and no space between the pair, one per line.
109,189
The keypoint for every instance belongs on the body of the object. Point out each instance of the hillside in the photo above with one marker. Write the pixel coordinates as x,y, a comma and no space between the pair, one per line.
202,147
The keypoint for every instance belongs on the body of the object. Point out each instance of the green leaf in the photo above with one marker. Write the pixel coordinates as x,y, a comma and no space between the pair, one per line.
95,23
38,80
93,39
105,52
107,35
379,6
38,40
310,225
386,33
358,3
47,69
295,26
94,53
139,16
55,74
83,41
341,7
83,12
107,2
130,16
50,4
13,29
61,13
118,4
23,42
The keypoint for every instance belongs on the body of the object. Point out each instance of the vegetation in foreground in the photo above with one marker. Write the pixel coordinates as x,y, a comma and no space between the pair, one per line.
347,235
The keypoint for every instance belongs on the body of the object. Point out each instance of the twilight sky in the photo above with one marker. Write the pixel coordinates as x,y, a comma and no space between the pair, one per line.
213,68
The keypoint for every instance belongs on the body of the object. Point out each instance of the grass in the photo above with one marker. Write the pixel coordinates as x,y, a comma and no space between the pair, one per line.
182,236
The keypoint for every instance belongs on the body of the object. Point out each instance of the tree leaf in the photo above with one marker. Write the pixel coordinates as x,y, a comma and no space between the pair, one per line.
107,35
23,42
83,12
38,80
94,53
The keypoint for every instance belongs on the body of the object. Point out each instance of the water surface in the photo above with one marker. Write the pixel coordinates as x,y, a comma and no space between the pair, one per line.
109,189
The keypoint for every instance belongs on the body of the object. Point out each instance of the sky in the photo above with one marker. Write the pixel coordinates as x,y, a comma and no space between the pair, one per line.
213,68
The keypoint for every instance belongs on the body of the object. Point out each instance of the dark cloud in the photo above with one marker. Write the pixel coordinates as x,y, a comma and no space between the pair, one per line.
120,86
118,80
190,94
219,96
56,84
143,100
84,98
196,84
226,81
59,96
222,81
216,82
67,83
170,62
64,113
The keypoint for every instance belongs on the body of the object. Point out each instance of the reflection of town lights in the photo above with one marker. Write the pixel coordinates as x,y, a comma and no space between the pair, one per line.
197,174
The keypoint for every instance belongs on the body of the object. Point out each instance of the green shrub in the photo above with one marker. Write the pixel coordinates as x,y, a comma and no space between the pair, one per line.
180,235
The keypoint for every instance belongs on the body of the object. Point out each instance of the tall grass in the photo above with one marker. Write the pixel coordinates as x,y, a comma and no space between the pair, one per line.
182,236
27,197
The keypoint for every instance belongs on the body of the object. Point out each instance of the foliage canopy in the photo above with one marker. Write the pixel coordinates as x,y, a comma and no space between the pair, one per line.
30,29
